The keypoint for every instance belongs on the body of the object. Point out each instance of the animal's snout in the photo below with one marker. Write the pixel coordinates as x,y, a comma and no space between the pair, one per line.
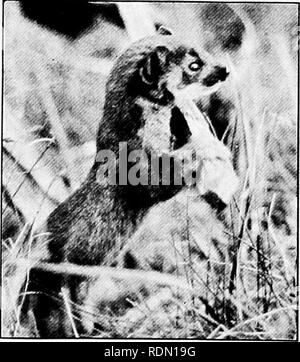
219,74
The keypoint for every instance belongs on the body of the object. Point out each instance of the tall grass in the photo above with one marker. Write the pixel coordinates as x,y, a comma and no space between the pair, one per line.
225,277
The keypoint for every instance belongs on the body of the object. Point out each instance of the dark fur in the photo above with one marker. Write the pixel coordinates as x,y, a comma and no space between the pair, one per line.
84,228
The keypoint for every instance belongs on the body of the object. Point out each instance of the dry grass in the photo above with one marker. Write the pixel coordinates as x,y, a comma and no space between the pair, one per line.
244,285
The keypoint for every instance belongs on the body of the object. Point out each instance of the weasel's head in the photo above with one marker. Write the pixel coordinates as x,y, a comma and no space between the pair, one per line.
161,67
194,75
169,68
154,71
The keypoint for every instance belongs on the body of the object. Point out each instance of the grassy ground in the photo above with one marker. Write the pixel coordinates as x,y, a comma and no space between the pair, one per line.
229,276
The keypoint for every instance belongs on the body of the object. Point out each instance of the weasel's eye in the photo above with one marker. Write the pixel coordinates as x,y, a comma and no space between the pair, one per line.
195,66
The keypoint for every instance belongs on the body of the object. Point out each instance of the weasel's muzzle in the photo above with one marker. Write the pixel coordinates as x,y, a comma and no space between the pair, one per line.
219,74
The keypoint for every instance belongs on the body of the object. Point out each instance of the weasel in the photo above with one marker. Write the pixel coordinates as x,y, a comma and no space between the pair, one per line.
92,224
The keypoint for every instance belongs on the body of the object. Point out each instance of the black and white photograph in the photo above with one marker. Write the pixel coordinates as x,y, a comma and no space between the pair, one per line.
149,171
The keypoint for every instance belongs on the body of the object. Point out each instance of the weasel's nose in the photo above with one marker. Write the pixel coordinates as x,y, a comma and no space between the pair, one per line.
219,74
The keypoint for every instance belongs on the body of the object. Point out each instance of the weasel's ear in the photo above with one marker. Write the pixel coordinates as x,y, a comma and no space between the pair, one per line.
162,30
155,64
